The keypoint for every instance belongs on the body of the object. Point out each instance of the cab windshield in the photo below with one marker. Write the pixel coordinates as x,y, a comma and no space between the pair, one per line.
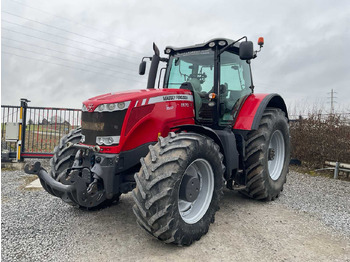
194,71
196,67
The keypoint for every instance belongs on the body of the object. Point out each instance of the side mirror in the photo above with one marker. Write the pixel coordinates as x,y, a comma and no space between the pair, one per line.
246,50
142,68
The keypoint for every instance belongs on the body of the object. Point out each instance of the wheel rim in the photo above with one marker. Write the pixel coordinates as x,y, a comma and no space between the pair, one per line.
192,212
276,155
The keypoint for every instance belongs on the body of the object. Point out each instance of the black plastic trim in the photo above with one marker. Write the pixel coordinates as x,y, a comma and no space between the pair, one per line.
131,158
228,140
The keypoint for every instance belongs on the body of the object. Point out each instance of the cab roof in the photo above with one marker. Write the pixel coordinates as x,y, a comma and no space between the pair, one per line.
171,49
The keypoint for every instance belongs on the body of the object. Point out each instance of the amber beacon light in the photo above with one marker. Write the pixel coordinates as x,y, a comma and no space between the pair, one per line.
261,41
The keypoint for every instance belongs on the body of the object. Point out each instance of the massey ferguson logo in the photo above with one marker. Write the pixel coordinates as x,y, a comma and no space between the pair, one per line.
90,107
175,97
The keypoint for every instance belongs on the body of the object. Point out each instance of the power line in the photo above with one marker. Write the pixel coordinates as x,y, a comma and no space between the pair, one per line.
40,60
66,38
85,70
68,60
54,50
69,20
70,46
64,30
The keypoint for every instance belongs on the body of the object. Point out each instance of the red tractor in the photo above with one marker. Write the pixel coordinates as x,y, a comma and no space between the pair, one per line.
175,147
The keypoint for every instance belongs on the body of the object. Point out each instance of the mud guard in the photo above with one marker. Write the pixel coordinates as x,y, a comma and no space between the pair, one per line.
224,138
253,108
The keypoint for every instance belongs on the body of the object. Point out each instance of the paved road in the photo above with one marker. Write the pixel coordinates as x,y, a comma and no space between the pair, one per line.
39,227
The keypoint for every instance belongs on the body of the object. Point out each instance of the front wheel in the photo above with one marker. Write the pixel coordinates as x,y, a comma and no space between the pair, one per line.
267,156
178,188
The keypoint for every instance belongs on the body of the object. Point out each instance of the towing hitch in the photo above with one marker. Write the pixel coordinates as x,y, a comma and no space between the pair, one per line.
76,189
55,188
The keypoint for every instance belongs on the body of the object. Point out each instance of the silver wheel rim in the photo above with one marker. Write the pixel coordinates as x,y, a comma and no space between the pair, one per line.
276,145
192,212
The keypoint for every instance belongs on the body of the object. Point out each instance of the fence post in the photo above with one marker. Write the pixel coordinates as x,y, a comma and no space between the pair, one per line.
336,170
22,128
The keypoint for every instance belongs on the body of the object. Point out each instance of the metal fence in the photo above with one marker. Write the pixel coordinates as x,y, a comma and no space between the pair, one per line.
41,128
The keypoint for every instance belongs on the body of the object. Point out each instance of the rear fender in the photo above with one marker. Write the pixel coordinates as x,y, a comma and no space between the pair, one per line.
253,108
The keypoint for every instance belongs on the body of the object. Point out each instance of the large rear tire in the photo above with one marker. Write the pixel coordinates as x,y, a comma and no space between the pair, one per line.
63,159
267,156
178,188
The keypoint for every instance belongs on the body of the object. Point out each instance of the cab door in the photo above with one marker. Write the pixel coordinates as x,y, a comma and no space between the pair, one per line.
235,85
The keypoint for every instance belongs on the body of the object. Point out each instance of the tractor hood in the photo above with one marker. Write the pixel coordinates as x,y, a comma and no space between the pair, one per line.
133,96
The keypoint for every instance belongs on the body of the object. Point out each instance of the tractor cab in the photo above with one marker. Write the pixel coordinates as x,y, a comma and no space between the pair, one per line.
217,73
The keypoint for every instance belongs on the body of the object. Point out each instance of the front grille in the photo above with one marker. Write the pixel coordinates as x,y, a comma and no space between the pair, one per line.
101,124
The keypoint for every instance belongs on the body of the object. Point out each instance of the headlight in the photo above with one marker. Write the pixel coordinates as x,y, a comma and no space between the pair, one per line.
107,140
121,105
112,107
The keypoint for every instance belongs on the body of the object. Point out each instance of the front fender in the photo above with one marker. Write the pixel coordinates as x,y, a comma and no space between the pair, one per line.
225,139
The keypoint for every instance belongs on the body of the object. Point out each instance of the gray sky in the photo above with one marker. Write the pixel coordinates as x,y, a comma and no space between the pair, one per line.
60,53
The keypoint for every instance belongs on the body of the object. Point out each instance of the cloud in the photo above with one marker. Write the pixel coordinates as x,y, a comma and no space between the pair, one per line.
304,56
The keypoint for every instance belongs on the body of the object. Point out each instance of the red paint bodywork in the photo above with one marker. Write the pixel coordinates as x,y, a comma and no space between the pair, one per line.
144,122
157,119
247,113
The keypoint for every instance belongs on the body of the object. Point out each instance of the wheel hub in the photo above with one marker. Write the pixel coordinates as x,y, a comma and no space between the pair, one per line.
271,154
189,189
276,154
196,191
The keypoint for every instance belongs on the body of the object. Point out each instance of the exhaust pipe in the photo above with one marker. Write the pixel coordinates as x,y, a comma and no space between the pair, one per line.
154,68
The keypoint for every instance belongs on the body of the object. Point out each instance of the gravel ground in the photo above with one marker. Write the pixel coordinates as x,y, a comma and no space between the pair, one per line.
309,222
325,198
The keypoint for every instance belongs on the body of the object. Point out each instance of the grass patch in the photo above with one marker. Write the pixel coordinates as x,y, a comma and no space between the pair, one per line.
8,168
